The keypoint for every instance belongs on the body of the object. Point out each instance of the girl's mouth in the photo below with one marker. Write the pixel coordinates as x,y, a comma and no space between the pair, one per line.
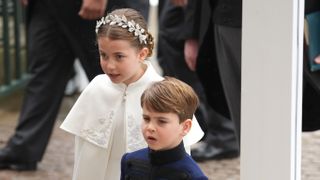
113,76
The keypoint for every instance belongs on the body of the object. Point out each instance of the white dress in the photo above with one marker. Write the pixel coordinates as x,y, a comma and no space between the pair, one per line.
106,121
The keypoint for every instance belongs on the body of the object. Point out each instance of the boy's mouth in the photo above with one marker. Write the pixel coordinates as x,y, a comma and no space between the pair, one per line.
150,138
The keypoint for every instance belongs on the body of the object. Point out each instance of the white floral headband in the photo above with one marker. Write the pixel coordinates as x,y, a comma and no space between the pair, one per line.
124,23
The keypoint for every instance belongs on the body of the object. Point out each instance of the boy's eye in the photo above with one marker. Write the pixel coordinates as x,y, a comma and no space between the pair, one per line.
146,119
162,122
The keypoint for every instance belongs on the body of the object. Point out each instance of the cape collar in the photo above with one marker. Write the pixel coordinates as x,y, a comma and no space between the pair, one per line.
143,80
167,156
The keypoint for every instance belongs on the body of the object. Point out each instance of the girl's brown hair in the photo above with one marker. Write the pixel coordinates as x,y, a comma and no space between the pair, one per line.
115,32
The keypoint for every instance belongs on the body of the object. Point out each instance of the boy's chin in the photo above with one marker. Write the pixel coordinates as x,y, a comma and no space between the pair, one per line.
158,148
155,148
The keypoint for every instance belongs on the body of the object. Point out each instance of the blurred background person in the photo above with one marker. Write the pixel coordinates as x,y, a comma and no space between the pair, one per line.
57,32
176,27
219,58
311,79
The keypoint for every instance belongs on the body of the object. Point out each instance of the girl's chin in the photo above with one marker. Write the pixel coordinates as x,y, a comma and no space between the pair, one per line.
115,80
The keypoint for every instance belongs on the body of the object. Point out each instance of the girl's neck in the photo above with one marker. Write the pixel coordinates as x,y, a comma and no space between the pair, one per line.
140,73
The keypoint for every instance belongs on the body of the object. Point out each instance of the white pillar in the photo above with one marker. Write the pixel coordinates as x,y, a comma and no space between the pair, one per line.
272,44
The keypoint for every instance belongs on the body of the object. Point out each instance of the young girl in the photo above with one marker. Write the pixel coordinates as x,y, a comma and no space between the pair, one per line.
107,116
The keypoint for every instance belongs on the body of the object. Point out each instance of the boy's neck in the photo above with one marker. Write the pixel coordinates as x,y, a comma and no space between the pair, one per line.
167,156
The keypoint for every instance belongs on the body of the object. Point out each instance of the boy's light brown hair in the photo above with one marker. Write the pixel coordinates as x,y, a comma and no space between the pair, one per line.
171,96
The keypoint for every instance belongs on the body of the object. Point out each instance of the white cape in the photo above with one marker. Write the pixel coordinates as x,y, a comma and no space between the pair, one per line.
105,115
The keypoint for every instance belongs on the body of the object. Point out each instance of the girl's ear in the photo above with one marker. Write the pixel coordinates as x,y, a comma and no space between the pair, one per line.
186,126
143,53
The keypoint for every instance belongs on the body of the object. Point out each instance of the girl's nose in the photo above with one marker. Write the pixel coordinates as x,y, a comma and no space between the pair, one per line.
110,65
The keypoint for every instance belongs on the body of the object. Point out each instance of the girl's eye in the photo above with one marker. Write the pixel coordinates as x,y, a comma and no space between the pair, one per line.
119,56
103,55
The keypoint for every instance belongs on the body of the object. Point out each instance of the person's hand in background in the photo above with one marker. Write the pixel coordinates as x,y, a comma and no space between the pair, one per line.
179,2
191,47
24,2
92,9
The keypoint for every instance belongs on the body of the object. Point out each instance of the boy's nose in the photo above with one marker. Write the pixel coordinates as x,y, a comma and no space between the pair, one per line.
150,127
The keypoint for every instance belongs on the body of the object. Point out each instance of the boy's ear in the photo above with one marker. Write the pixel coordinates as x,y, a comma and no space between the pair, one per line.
186,126
143,53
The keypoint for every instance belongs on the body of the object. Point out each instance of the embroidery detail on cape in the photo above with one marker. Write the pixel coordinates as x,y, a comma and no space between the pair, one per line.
101,134
135,139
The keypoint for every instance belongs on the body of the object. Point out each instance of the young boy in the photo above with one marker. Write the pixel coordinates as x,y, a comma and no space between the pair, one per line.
168,107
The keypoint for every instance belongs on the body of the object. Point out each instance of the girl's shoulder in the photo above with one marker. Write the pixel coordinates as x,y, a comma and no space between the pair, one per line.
101,78
101,85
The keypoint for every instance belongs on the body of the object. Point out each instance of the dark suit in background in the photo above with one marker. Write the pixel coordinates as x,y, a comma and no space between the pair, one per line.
171,37
311,83
56,35
176,25
219,59
140,5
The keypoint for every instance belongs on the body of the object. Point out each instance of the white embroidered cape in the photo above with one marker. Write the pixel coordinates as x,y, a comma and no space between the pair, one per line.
104,115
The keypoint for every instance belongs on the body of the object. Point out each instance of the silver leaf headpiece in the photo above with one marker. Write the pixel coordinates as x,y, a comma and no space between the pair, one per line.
132,26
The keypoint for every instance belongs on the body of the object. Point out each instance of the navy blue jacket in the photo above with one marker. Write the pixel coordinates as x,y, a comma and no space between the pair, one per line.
146,164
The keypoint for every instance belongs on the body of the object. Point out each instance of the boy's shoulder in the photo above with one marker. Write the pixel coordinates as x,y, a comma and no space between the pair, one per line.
139,154
188,164
140,158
